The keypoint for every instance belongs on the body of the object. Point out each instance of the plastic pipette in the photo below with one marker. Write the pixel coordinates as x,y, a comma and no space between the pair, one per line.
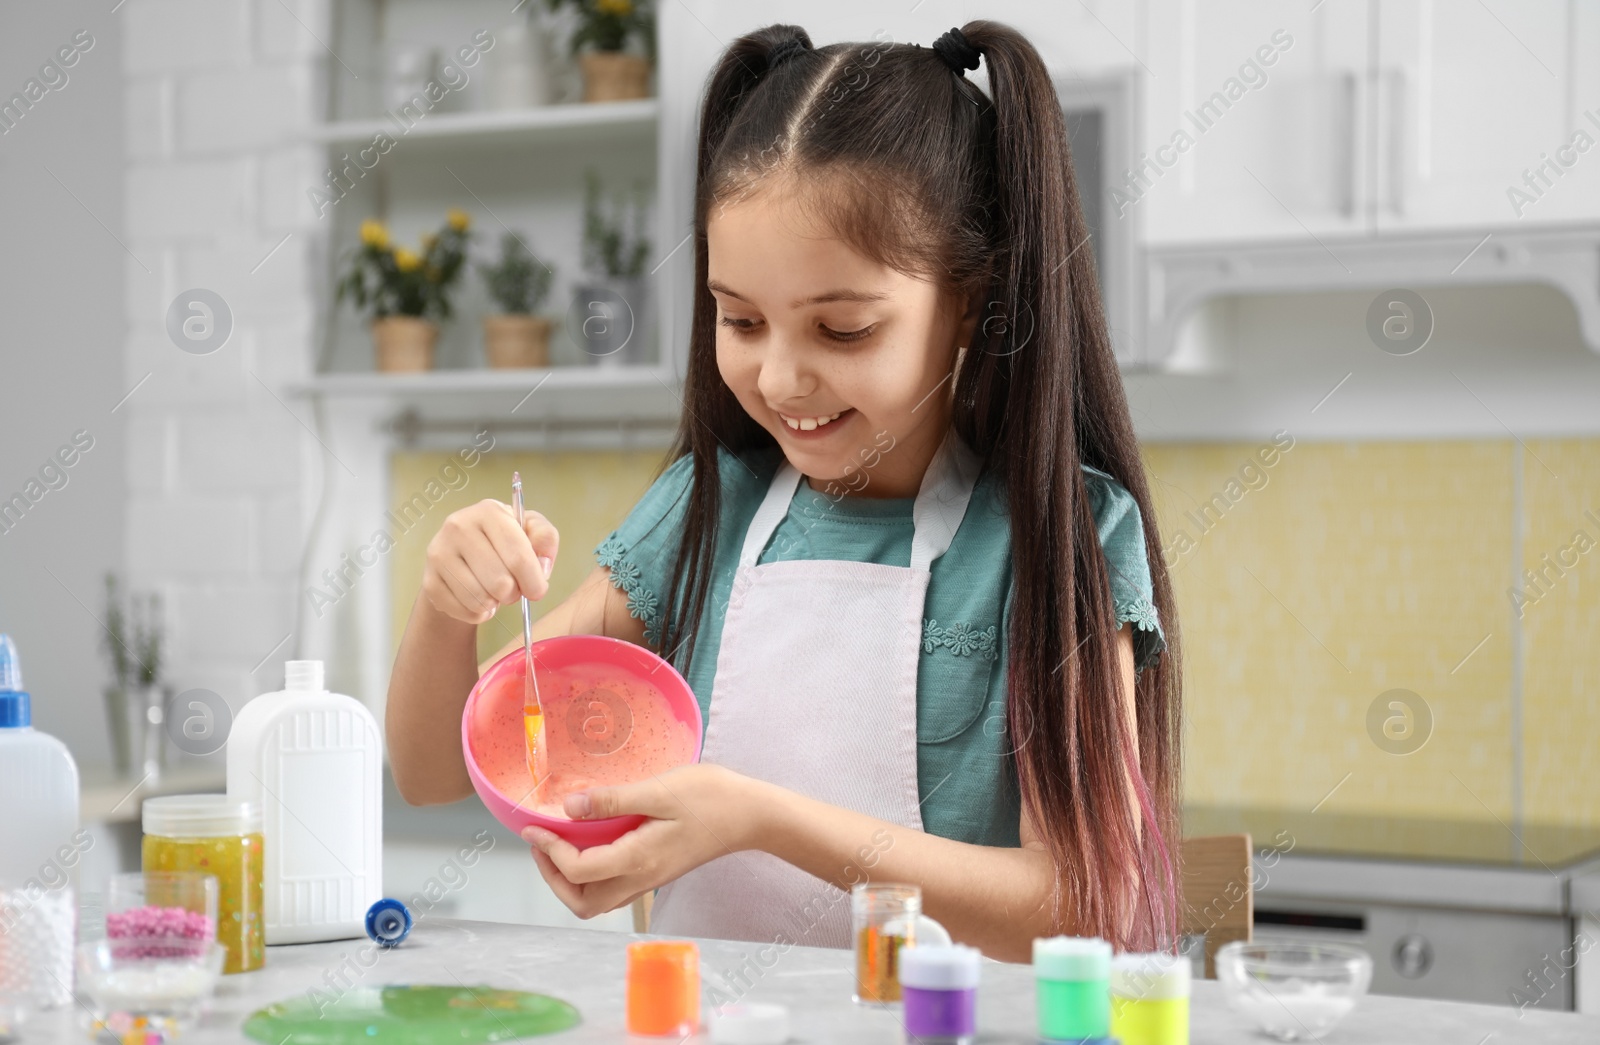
532,707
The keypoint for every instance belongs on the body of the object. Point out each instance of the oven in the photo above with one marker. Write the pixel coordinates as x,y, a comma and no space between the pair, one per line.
1492,935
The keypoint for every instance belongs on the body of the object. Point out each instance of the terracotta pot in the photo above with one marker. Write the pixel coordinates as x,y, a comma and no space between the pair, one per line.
514,341
611,76
616,328
404,343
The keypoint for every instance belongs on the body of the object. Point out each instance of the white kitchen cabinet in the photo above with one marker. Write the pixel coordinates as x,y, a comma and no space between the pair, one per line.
1377,116
1251,122
1475,114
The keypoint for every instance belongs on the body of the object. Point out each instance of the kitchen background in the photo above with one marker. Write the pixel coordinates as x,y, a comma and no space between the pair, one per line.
1351,253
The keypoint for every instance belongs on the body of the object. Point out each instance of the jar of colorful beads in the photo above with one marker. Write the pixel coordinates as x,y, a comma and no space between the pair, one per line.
219,836
160,908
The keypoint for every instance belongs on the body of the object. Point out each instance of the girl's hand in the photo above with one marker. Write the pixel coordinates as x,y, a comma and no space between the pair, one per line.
698,812
479,561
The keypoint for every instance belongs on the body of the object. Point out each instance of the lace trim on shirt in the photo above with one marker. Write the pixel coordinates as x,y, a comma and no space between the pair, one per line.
643,604
960,638
964,640
1137,611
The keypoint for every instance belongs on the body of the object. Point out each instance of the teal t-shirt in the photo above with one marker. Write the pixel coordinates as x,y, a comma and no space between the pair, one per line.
967,782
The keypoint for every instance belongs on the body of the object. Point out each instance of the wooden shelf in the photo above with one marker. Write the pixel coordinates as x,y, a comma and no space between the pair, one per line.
449,382
548,124
592,398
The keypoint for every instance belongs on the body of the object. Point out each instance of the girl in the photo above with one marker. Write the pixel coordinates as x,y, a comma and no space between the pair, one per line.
901,551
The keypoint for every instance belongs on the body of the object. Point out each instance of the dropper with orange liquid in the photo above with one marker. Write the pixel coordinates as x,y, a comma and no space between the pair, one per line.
532,707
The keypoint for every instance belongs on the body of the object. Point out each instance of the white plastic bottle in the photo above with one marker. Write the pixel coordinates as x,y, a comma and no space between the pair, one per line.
314,762
39,849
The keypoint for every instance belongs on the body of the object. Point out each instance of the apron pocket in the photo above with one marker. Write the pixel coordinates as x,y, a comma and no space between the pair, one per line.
955,670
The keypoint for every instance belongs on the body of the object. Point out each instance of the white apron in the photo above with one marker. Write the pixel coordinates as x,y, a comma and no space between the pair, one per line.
816,691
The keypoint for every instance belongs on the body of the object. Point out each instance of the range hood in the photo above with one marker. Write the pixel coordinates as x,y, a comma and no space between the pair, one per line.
1180,281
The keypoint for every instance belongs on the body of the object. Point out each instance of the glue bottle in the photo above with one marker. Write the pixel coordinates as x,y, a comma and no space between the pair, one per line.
39,848
313,761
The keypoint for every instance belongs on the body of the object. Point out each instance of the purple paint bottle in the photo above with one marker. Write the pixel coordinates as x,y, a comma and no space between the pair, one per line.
939,988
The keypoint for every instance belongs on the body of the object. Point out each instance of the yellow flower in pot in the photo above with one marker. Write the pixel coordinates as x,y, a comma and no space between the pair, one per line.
407,292
519,283
611,74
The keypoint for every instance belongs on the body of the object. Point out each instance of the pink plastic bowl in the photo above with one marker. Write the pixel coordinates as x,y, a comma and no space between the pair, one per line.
551,658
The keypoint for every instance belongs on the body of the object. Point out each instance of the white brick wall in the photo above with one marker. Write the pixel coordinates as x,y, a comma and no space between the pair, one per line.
176,36
218,99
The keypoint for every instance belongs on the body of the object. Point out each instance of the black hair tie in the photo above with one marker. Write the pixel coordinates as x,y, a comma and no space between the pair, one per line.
956,52
784,50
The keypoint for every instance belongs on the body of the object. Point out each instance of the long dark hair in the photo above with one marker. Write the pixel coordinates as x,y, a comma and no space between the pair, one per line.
915,167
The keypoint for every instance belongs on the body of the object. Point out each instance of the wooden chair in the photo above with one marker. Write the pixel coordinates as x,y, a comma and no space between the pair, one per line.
1215,895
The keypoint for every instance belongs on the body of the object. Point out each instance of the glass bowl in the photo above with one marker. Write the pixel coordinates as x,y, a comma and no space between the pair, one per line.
1293,990
180,904
155,982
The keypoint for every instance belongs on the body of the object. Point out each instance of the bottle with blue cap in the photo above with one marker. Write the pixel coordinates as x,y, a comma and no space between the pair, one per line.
39,847
388,922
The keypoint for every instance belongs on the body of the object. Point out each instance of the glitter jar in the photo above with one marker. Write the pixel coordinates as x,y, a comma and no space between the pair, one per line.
1073,986
219,836
884,918
939,989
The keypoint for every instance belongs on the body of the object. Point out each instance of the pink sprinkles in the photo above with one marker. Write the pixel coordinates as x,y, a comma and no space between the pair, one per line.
160,932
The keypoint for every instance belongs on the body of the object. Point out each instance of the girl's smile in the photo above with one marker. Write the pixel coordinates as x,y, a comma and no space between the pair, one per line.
815,427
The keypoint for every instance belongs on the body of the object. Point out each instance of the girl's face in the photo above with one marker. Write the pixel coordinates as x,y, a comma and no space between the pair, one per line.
845,361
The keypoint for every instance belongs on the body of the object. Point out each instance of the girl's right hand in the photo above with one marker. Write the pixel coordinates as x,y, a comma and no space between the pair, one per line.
479,561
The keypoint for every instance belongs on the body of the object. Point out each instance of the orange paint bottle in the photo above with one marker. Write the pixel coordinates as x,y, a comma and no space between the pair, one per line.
663,988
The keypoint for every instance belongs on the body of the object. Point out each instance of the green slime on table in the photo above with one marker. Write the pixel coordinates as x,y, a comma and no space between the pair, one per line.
411,1015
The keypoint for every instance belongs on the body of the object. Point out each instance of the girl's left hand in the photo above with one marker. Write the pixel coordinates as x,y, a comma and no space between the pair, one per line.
698,813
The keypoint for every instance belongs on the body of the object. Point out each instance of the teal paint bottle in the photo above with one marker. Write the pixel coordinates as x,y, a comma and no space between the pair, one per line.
1072,976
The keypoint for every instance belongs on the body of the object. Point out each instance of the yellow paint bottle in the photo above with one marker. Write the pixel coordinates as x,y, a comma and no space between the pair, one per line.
1150,999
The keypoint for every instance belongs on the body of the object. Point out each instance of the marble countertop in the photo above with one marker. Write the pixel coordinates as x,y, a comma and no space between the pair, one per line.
585,967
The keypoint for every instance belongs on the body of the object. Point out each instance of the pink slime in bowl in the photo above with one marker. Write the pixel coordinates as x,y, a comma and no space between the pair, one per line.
491,722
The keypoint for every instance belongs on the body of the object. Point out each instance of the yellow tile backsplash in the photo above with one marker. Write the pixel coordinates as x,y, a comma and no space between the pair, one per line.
1560,618
1313,579
1346,570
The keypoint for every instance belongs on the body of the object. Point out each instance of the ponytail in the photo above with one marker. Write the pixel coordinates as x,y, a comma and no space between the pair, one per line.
1104,797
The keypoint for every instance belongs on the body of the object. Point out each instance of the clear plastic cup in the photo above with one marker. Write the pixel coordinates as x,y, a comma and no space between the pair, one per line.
885,917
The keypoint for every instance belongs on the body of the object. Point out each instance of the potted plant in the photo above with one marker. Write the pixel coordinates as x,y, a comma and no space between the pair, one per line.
135,699
519,284
613,300
610,73
407,291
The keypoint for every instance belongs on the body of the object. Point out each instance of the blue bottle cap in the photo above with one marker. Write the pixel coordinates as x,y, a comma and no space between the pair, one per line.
15,707
388,922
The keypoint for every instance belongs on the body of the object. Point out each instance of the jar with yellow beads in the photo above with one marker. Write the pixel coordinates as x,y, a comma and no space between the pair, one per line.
220,836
